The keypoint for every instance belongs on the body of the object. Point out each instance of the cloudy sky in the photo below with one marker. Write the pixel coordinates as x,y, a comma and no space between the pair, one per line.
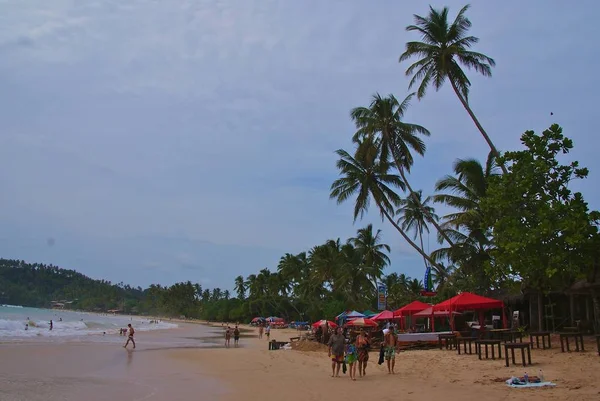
165,140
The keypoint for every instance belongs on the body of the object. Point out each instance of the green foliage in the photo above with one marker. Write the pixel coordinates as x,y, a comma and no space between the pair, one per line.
38,285
542,230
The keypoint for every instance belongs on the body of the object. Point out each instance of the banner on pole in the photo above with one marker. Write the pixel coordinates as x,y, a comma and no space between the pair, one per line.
381,297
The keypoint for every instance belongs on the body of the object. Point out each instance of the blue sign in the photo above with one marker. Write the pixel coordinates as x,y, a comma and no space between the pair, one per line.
381,297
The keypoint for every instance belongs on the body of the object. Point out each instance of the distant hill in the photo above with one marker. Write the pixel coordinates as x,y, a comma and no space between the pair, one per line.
39,285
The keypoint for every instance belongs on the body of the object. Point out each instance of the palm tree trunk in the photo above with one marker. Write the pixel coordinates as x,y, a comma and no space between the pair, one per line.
477,124
422,247
423,209
410,242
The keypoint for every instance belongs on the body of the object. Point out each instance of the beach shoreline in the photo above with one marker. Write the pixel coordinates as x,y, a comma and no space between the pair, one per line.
157,371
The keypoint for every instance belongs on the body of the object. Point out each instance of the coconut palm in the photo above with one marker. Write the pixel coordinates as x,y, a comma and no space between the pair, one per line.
464,192
367,177
240,287
412,217
383,120
372,251
444,47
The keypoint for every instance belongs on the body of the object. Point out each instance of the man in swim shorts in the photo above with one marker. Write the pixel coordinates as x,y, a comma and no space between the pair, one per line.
337,343
236,336
389,341
130,336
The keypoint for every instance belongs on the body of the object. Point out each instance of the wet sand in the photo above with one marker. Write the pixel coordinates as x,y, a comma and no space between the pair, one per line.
155,371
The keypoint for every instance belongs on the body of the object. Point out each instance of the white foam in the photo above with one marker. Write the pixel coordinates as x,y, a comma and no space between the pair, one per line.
13,325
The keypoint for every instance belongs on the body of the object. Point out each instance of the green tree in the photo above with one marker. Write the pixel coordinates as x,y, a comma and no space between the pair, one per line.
444,47
543,231
383,121
372,252
413,217
240,287
367,176
473,241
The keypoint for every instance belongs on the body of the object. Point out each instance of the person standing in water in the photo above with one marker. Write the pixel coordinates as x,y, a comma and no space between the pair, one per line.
227,336
130,336
51,325
236,337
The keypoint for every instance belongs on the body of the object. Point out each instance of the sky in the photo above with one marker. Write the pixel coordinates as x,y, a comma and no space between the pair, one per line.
155,141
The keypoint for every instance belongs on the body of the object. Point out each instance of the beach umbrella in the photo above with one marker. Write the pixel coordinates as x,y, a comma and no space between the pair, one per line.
362,322
323,322
369,313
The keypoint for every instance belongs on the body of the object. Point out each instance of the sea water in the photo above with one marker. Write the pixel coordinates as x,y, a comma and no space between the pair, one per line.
13,321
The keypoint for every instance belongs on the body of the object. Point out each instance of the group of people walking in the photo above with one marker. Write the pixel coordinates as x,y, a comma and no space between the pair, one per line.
353,353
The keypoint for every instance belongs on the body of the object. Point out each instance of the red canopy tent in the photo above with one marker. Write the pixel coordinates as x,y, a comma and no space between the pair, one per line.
409,310
469,301
385,315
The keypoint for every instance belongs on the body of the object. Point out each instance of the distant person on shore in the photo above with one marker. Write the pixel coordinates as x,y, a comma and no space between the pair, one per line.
261,329
389,341
130,336
268,331
362,345
319,335
236,337
26,326
227,337
336,345
51,325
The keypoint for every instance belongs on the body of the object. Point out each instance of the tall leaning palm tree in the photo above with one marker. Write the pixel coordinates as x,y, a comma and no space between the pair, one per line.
367,176
412,217
444,47
383,119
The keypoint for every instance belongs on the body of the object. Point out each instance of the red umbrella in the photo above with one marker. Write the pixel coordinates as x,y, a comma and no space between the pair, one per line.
362,322
324,322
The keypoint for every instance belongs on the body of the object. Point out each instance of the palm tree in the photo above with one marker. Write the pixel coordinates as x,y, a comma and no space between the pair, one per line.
366,175
464,192
412,217
372,251
444,47
240,287
383,119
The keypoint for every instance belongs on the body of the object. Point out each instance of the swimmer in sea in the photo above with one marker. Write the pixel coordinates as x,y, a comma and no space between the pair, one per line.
130,337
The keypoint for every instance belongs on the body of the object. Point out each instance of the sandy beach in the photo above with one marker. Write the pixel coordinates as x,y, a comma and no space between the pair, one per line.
158,371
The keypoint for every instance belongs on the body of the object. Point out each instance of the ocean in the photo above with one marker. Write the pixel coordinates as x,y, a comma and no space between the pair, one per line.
21,323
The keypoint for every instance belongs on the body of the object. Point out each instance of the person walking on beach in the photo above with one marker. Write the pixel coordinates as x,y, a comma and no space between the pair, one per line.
236,336
351,358
336,351
268,331
130,336
389,341
261,329
362,345
227,337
